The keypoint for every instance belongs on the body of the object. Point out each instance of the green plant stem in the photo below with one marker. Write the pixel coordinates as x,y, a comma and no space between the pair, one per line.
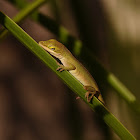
26,11
75,85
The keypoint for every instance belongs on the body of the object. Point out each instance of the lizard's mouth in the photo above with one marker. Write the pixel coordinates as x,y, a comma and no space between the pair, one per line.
45,48
50,52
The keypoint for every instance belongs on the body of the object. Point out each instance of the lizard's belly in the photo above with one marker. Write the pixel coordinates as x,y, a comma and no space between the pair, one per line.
85,80
82,75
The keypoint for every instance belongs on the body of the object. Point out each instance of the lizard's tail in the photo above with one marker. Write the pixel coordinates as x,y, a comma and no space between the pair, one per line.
101,98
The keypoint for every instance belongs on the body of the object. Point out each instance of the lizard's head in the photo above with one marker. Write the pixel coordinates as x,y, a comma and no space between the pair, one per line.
54,47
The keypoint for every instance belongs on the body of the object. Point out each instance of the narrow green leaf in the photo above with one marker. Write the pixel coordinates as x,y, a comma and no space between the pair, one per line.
75,85
23,14
100,73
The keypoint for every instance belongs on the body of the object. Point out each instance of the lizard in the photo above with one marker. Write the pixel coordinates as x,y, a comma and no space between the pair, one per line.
71,64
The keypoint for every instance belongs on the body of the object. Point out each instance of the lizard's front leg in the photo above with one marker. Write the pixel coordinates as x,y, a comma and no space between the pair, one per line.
62,67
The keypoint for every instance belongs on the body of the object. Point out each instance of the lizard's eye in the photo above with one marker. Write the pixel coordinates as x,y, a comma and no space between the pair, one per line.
52,48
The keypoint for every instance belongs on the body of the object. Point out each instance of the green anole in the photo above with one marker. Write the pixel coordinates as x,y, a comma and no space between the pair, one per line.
71,64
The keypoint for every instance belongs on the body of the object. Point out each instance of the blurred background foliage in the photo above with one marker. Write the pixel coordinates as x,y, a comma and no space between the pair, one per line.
28,90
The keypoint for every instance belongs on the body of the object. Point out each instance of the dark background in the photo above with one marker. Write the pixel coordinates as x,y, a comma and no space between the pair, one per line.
36,105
